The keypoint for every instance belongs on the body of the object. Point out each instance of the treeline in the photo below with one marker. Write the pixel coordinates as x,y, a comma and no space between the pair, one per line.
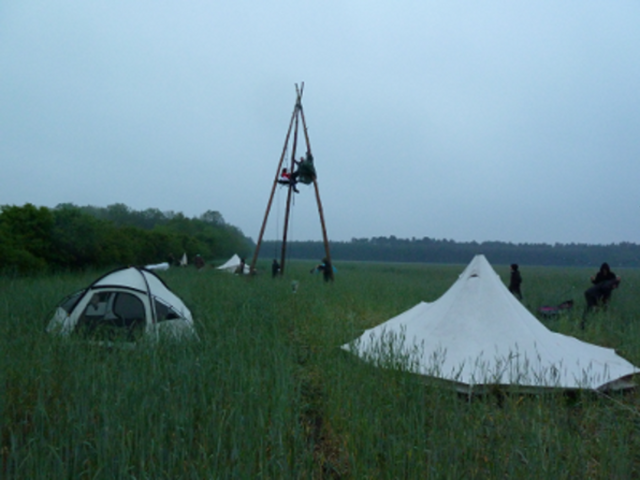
71,237
428,250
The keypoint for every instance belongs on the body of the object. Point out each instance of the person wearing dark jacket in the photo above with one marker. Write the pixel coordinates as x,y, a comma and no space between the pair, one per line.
600,293
515,281
326,268
603,284
240,268
275,268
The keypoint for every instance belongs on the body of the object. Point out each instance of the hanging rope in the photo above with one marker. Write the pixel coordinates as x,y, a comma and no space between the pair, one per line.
293,204
277,235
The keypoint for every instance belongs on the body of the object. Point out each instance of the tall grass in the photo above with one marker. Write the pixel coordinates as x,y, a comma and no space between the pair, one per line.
267,393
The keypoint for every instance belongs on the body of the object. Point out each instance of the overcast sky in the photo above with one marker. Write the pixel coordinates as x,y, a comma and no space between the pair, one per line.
494,120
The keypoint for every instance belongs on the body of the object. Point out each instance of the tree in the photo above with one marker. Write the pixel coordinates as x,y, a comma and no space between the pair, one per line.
213,218
25,234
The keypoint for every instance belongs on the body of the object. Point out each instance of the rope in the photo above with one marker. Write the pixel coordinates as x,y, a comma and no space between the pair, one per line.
291,226
277,235
278,208
619,404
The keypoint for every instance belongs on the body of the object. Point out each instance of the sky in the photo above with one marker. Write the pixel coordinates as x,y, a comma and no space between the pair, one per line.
472,121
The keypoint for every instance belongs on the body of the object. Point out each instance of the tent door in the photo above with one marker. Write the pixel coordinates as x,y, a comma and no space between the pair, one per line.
112,316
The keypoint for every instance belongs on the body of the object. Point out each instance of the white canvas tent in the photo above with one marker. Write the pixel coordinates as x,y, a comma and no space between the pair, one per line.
126,304
232,265
478,334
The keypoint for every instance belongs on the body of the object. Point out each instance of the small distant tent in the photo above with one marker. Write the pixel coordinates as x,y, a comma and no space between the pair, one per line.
477,334
126,304
158,266
183,261
232,265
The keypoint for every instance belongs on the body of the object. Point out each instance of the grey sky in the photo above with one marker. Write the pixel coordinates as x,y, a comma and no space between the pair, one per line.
496,120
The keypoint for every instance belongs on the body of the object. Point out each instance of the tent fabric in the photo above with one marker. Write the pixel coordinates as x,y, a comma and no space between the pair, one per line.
232,265
158,266
127,303
478,334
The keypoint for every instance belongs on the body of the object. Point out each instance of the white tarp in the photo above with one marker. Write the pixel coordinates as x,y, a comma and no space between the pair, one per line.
232,265
158,266
478,334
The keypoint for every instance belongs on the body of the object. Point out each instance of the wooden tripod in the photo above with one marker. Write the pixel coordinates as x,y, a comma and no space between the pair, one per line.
297,117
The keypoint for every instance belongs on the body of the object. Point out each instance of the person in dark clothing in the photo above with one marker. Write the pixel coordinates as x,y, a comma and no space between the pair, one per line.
515,281
305,171
600,293
240,268
327,269
275,268
603,284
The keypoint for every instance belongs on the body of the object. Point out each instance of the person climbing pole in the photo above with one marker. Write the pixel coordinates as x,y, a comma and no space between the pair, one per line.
288,178
306,171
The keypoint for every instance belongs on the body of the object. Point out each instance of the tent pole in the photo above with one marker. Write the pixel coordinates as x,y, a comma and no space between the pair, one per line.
273,188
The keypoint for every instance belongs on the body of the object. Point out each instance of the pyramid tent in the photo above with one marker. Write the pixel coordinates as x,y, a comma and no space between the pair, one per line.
232,265
478,334
125,304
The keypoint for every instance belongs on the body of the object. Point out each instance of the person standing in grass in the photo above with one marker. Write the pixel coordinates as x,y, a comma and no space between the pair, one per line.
515,281
275,268
240,267
327,270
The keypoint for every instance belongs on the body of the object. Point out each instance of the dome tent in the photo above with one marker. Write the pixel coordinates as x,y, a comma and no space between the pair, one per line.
126,304
477,334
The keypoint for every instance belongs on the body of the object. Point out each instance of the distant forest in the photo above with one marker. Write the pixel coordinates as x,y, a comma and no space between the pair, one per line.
69,237
427,250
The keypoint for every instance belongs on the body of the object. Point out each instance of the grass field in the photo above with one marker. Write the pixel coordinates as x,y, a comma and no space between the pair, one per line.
267,393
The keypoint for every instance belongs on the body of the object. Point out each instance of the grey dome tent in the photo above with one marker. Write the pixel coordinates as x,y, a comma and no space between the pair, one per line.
126,304
477,334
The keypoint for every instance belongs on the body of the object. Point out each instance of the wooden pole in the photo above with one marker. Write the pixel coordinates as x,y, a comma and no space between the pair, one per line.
294,116
290,194
325,238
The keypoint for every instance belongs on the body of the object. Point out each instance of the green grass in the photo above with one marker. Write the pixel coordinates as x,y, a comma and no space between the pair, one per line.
267,393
